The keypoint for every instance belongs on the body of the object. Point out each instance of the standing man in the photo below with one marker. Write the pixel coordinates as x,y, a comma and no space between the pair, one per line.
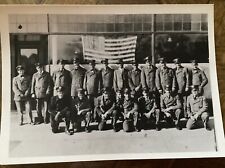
77,75
130,112
198,76
197,109
182,80
149,109
60,109
164,76
41,90
104,109
21,89
171,107
120,80
148,76
134,77
81,110
106,75
62,78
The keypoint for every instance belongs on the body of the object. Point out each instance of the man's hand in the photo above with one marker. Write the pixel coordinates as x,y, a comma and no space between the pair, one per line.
192,118
160,91
136,89
33,95
57,116
186,89
167,114
196,116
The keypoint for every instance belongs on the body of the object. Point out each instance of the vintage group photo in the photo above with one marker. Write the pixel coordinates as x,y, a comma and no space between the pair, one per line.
89,84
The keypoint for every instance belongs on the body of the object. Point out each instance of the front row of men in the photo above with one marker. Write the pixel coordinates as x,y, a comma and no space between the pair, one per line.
135,114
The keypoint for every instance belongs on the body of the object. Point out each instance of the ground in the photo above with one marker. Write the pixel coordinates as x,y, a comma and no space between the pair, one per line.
38,140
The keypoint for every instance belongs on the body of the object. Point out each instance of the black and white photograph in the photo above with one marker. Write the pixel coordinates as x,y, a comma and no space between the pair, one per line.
109,82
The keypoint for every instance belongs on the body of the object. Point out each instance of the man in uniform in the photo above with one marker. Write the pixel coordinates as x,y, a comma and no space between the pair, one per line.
171,107
182,80
120,80
164,76
21,89
62,78
197,109
41,90
148,76
198,76
60,109
130,112
149,109
106,75
104,109
134,77
77,75
81,108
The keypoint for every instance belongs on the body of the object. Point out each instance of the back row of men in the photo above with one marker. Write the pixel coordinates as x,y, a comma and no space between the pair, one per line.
151,80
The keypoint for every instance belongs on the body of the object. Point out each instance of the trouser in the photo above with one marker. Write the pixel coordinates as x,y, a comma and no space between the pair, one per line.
66,115
151,116
20,106
102,121
78,118
42,110
175,115
131,121
191,123
183,97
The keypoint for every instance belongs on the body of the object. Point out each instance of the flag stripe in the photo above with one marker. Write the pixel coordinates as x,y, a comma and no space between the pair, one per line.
110,61
121,39
108,57
110,53
120,44
120,48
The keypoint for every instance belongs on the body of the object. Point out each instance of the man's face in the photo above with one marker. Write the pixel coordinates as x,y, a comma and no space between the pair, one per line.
163,65
145,95
127,96
60,94
92,66
194,65
118,95
149,64
121,65
39,69
135,66
76,65
106,65
178,65
21,72
80,96
106,95
61,67
167,92
195,93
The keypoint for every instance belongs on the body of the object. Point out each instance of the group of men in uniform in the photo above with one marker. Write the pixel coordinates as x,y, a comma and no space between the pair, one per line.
134,96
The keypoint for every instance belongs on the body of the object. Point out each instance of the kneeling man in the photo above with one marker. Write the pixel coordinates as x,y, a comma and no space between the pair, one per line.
81,108
171,107
149,109
197,109
60,110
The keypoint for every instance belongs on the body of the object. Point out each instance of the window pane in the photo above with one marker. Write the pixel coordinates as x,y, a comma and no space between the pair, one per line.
159,26
168,26
177,26
138,27
204,26
186,26
195,26
147,27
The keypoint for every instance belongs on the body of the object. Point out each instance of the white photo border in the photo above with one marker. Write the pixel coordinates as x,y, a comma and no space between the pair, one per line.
5,10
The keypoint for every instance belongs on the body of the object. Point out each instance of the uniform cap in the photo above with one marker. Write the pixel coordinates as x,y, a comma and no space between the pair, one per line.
105,61
106,90
121,61
92,62
60,89
61,61
38,64
126,91
119,91
145,90
167,88
80,90
194,87
19,67
162,60
148,60
176,60
194,61
76,60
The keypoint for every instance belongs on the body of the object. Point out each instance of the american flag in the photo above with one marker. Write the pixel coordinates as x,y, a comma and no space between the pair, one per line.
98,48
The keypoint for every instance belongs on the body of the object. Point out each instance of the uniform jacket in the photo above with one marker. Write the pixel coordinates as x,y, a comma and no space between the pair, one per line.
107,78
119,104
148,78
198,77
78,104
165,76
170,101
134,77
120,80
130,106
105,105
21,88
196,105
182,79
146,106
59,105
63,79
92,82
42,85
77,76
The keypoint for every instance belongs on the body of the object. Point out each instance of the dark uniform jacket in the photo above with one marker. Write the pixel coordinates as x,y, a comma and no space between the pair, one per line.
148,78
165,76
170,101
130,106
146,106
59,105
182,79
107,78
198,77
42,85
118,105
105,105
92,82
196,105
78,105
21,88
134,79
77,76
120,80
62,79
